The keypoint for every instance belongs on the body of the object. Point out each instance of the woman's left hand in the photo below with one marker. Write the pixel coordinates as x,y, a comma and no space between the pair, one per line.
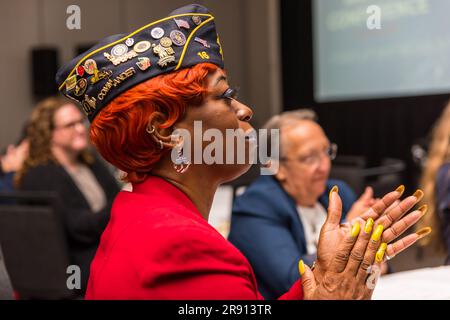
346,253
365,201
387,212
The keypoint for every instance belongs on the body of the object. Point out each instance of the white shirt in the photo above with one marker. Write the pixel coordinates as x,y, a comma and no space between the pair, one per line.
89,187
312,219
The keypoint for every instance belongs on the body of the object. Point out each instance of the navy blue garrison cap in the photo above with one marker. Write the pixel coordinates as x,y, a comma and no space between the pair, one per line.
183,39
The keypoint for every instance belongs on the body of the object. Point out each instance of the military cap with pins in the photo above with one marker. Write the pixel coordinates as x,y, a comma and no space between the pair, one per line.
183,39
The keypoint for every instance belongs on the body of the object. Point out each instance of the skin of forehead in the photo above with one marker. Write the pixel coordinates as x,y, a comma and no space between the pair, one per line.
295,136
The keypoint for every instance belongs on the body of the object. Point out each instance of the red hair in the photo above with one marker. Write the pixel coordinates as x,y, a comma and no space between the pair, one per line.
119,130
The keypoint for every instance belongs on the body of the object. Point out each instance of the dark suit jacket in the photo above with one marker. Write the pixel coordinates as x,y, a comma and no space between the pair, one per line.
266,227
83,227
6,185
6,182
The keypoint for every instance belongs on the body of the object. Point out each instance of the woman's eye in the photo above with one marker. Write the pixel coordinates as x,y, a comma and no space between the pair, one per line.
230,93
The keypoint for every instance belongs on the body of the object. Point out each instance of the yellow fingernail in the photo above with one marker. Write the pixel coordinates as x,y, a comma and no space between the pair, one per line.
400,189
301,267
418,194
424,232
424,209
380,253
369,225
334,189
377,233
355,229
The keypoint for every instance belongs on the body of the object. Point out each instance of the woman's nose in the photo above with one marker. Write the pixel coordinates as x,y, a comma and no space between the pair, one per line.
243,112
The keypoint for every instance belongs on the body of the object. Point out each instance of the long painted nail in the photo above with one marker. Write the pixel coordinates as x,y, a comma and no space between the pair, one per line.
423,209
334,189
355,229
301,267
400,189
424,232
380,253
377,233
369,225
418,194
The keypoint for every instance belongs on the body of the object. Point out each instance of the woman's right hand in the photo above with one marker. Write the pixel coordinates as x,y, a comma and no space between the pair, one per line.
345,252
13,160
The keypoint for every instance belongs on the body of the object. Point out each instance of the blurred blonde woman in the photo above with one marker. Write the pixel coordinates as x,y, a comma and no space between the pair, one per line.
59,160
436,186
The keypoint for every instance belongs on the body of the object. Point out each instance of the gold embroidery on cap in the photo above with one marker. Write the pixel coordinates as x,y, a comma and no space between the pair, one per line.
102,74
115,82
220,47
203,55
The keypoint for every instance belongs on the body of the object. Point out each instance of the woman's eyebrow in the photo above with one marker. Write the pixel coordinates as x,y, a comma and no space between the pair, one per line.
221,78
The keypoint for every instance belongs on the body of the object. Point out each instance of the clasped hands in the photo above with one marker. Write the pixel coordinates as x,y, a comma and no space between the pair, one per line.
348,254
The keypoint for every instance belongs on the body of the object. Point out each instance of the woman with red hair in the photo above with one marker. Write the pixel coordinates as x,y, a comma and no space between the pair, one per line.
158,243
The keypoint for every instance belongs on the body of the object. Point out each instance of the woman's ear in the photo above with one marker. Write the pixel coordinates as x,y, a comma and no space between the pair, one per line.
162,136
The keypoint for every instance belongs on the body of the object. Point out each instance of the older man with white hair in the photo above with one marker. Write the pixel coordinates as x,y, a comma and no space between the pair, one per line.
277,220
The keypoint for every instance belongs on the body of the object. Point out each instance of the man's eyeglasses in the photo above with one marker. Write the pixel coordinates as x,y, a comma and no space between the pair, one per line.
316,157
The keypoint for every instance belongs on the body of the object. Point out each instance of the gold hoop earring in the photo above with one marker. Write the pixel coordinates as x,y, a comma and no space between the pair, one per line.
150,131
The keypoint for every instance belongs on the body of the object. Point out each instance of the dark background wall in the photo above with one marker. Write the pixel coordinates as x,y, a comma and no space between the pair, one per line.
248,32
377,128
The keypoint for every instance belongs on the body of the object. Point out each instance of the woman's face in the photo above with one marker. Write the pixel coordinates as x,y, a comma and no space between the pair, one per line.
219,113
70,133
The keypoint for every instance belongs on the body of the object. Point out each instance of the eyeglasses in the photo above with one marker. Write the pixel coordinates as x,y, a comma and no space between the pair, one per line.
73,124
315,158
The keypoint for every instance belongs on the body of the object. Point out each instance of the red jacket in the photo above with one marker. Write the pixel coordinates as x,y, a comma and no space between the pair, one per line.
158,246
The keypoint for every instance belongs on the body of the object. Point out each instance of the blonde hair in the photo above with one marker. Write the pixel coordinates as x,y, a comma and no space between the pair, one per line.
438,154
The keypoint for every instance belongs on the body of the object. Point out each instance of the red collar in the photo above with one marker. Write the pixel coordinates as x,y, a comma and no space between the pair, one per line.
166,194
